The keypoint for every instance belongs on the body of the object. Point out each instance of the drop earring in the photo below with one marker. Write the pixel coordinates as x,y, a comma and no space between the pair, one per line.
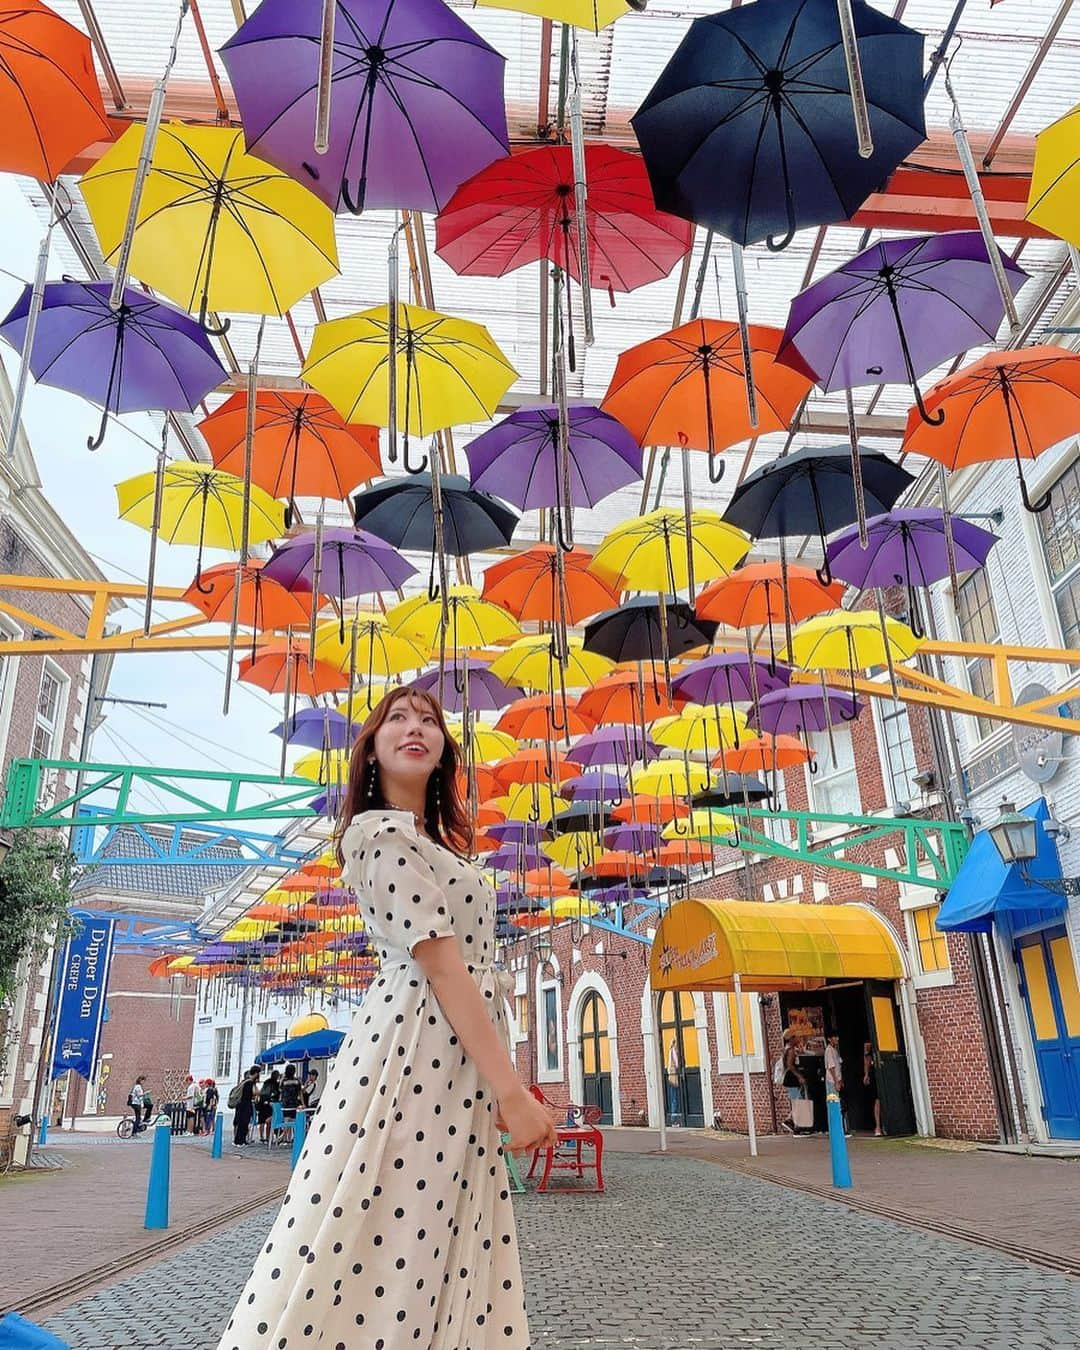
371,780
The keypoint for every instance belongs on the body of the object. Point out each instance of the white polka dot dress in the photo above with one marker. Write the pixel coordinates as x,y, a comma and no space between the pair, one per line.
398,1229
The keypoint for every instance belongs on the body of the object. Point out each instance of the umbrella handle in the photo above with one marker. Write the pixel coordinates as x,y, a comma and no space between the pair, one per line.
915,622
811,764
408,466
931,419
355,204
715,476
209,328
824,572
1035,508
94,442
203,590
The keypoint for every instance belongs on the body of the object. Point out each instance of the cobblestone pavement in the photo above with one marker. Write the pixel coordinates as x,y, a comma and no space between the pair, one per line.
678,1255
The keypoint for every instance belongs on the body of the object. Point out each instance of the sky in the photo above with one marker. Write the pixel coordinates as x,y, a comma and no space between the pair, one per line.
80,484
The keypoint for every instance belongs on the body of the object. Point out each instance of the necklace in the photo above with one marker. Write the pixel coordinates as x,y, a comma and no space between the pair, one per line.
418,820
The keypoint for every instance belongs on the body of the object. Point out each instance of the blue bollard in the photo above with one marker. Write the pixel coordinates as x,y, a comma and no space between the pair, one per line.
157,1191
215,1147
299,1130
841,1168
43,1133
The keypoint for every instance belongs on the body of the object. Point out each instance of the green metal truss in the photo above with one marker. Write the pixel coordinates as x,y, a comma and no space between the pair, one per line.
932,850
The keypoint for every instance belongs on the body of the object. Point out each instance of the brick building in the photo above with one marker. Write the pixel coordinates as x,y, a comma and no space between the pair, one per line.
597,982
45,703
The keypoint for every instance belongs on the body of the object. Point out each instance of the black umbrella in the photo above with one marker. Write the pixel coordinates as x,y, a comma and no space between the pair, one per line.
750,129
813,492
740,788
644,629
581,818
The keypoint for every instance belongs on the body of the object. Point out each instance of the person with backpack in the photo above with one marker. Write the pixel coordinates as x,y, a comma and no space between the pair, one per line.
211,1097
269,1093
290,1094
245,1105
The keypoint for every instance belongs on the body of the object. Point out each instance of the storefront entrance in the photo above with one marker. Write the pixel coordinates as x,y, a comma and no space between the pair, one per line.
1049,987
860,1012
683,1104
596,1055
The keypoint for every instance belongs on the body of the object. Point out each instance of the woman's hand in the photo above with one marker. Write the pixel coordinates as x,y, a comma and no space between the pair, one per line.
527,1121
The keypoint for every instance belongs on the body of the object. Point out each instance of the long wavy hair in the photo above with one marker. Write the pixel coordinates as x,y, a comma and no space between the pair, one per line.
445,818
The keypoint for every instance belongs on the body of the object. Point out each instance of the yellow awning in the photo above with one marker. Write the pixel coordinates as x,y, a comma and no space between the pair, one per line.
703,944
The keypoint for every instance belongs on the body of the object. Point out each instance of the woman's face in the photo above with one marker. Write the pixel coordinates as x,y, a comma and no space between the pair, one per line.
409,744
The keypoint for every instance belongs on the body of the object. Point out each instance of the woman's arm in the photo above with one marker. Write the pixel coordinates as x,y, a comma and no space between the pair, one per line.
467,1011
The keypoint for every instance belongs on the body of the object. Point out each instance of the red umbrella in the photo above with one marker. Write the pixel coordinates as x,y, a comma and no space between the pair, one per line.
521,209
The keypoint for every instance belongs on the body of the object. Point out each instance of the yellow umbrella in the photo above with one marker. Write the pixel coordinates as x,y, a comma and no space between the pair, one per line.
448,370
850,640
323,768
365,700
181,963
1054,197
380,649
591,14
468,621
702,823
574,851
648,553
532,801
199,505
217,228
531,663
486,745
705,729
572,907
670,778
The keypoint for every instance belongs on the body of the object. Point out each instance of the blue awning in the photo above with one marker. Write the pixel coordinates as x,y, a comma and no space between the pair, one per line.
986,888
316,1045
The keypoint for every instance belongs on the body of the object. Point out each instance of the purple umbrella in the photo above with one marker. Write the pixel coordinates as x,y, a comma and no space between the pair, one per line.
618,895
416,100
803,708
516,858
909,548
329,803
633,837
597,786
487,693
518,832
897,310
519,457
318,728
621,744
145,355
725,677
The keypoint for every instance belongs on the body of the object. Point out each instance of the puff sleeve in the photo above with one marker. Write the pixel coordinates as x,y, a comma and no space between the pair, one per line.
399,890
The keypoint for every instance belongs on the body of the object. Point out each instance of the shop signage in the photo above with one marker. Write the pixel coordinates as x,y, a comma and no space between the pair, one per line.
84,981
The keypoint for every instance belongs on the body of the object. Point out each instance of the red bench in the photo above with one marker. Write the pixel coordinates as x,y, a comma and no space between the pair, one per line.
579,1127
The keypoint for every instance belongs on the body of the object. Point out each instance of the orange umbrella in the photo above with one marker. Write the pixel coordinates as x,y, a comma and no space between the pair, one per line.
281,665
527,585
272,913
534,719
50,103
765,753
685,853
762,594
1007,405
616,862
486,783
489,812
313,911
546,880
532,766
626,696
688,387
264,603
302,446
642,809
159,966
525,918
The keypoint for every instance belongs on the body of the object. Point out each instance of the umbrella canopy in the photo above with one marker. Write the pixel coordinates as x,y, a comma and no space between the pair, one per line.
319,729
626,696
598,785
447,370
485,745
640,629
217,228
370,649
851,640
50,103
701,729
1054,196
749,131
302,447
264,603
416,101
200,506
1007,404
767,754
467,681
522,208
812,492
688,387
460,620
532,766
761,594
349,562
897,310
591,14
144,355
282,665
613,745
736,790
519,457
402,511
529,585
535,719
804,708
648,552
725,677
531,662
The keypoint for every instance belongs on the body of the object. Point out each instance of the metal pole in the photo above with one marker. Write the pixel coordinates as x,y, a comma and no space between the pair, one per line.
581,192
326,73
740,1020
661,1081
37,295
849,38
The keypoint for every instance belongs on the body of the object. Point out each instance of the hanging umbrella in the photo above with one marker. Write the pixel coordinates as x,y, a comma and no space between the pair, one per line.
812,492
624,696
519,832
760,595
528,585
633,837
401,511
738,790
650,808
217,228
897,310
641,629
322,766
1012,404
522,209
282,666
531,766
199,505
263,606
1054,195
767,754
450,369
598,785
804,708
748,128
575,848
701,730
851,640
145,355
486,692
50,104
910,548
688,387
532,663
457,622
727,677
514,858
415,99
520,457
486,745
368,649
613,745
301,446
671,777
649,552
590,14
318,728
533,719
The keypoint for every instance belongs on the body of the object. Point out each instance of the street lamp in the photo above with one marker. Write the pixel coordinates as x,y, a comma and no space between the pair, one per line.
1014,836
544,949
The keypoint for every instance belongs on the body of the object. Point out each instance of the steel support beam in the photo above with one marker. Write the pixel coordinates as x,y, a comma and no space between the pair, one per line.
94,843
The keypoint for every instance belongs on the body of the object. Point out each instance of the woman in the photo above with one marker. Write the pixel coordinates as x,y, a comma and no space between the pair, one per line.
871,1100
210,1105
794,1079
290,1094
269,1093
398,1229
245,1109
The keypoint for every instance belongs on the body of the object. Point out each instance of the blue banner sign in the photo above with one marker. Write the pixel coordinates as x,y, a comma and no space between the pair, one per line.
84,980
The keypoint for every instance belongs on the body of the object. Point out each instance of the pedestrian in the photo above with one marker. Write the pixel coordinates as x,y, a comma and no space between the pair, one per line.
190,1089
269,1093
404,1169
211,1097
310,1090
871,1100
290,1094
834,1075
794,1080
136,1100
674,1115
246,1106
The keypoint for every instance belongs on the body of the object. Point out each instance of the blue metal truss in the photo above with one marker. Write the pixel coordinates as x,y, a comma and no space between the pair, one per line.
173,934
166,844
